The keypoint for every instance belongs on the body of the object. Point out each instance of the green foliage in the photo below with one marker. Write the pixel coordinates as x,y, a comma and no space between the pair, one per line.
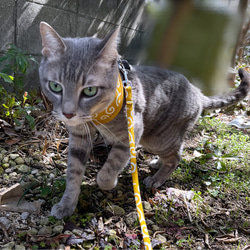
7,78
227,153
107,247
17,105
48,190
15,68
221,162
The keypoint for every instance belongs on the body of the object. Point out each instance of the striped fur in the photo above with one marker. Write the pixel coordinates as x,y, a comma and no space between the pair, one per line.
166,106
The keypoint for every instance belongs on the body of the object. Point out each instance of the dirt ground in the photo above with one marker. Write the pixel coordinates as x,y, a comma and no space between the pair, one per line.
108,220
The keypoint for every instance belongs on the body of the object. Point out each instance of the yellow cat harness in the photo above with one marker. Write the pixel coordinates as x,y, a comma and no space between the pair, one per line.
109,114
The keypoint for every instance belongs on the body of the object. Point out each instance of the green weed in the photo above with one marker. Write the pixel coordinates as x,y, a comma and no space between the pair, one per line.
17,104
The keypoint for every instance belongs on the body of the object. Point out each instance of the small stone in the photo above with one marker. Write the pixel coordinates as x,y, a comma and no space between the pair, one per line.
28,161
24,215
8,170
5,165
6,222
4,151
19,160
6,177
77,232
68,232
5,159
99,194
116,210
146,205
161,238
33,231
51,176
13,175
149,222
34,172
131,218
58,229
1,170
42,201
19,247
26,184
155,228
13,156
12,163
44,221
8,246
23,168
87,245
47,230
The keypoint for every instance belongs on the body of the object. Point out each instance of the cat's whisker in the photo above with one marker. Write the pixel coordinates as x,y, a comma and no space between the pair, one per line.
44,120
102,135
88,135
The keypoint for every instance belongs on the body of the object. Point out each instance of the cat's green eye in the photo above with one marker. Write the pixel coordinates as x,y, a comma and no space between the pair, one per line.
90,91
55,87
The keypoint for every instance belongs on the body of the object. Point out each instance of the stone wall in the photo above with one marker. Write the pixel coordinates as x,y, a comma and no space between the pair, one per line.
20,19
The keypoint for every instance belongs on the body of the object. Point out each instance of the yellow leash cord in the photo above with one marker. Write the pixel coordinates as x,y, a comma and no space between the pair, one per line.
137,194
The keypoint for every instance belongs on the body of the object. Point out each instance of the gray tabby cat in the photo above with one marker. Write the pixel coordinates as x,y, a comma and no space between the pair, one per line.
79,76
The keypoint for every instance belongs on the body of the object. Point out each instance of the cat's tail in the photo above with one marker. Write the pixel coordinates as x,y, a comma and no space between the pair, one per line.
220,101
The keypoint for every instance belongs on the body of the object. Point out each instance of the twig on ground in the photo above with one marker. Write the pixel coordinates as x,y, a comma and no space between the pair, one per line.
207,240
4,231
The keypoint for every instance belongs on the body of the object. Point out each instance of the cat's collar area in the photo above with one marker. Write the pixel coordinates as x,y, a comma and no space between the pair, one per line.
114,108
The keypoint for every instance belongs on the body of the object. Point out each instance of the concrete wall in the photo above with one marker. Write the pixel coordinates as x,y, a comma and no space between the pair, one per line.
19,24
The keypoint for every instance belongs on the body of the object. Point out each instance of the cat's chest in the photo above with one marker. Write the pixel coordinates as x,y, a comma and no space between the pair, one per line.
115,130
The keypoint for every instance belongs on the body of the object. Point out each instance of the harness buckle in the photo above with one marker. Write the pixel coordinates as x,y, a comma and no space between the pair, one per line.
123,65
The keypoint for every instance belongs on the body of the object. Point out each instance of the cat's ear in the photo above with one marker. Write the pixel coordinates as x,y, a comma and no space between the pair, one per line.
53,45
110,43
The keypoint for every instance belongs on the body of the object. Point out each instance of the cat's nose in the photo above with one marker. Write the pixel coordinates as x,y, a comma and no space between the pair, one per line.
69,116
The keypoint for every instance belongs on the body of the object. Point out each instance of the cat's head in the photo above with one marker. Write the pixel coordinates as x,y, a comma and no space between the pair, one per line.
78,75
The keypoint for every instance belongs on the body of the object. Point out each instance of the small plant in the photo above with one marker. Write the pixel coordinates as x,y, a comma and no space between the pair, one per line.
15,110
198,200
48,190
42,244
107,247
52,219
85,220
180,242
17,105
17,63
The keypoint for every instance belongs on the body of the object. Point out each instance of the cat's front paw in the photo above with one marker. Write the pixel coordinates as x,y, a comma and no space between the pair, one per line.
106,181
151,182
60,210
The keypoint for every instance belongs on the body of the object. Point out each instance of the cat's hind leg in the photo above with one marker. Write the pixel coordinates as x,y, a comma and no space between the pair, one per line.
165,165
